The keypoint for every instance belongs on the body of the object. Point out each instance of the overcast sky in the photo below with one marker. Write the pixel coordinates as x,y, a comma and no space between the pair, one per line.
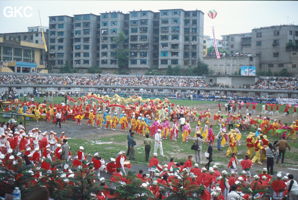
233,16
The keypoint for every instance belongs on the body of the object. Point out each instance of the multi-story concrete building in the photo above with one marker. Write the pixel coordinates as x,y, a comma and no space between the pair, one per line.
84,41
237,44
270,44
111,24
275,47
18,55
193,37
60,41
180,37
208,42
141,36
171,37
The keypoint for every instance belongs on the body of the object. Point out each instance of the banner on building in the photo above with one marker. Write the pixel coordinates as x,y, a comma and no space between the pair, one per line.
247,70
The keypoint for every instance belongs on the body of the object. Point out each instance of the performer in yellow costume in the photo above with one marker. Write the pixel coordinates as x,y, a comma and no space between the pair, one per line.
234,137
250,144
115,121
91,118
123,122
99,119
258,148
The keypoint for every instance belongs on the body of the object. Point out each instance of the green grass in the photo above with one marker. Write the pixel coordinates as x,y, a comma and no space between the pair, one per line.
190,103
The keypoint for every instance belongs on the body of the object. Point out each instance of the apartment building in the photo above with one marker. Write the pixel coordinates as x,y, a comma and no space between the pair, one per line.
111,24
141,35
84,41
60,41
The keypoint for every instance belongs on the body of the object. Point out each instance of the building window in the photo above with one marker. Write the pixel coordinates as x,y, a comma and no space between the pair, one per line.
174,53
52,26
60,33
77,32
164,61
258,43
86,31
194,30
134,30
85,61
104,46
164,13
86,24
77,47
133,54
275,54
52,47
144,22
186,38
164,45
175,21
164,21
280,65
104,32
144,14
259,34
275,43
193,54
143,54
164,29
77,54
134,22
60,18
104,62
176,12
175,37
104,54
174,46
143,29
194,22
86,54
133,61
60,47
133,38
76,25
194,46
114,15
143,62
113,46
114,23
175,29
276,33
174,62
194,38
293,65
186,54
52,40
186,30
232,46
296,33
143,38
114,31
133,14
164,37
86,39
232,39
104,23
290,32
60,25
60,40
86,47
60,62
164,53
186,22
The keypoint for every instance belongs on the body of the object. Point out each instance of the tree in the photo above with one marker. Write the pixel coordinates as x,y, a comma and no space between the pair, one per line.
68,68
284,72
94,70
122,53
201,69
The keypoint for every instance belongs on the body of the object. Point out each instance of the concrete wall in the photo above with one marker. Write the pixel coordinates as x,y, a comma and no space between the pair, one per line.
230,65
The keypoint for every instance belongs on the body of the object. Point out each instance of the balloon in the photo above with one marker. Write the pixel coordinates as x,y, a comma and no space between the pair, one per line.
212,14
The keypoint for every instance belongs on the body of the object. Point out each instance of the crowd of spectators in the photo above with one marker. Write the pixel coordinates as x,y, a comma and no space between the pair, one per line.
113,80
290,83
